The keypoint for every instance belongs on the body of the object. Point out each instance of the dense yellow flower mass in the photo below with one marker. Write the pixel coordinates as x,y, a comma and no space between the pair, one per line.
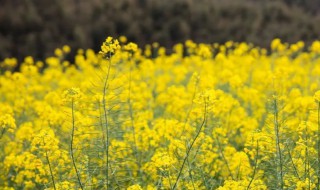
206,116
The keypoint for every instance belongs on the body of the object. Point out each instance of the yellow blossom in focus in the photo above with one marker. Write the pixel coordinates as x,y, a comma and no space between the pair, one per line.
109,46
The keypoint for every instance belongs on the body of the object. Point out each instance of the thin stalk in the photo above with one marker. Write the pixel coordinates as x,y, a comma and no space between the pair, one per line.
204,181
50,169
307,165
114,177
103,134
239,171
278,148
169,177
132,123
71,146
191,145
224,158
190,173
2,133
294,166
190,108
255,165
105,114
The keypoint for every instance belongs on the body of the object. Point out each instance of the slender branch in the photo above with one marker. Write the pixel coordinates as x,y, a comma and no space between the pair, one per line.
224,158
106,122
190,173
191,145
103,134
71,146
204,180
2,133
114,176
255,165
169,178
294,166
132,122
190,108
51,173
278,148
307,164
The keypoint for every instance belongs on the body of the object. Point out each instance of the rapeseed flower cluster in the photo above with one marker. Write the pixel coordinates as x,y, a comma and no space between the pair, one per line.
206,116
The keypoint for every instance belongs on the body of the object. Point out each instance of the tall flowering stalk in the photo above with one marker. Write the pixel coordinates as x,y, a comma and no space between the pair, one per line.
73,94
189,148
108,49
278,147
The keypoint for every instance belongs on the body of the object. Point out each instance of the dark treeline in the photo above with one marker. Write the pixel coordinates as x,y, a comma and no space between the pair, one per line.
37,27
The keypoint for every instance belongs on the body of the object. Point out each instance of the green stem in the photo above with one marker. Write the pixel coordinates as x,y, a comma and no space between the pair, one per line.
191,145
103,135
2,133
255,165
51,173
106,122
71,146
190,173
132,123
291,160
278,148
307,164
223,157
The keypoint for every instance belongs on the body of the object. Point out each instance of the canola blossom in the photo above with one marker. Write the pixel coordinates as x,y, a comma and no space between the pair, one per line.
205,116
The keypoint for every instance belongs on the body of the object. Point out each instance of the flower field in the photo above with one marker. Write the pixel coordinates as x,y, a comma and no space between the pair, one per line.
204,116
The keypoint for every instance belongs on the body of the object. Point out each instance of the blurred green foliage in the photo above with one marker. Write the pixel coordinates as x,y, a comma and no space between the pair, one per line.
37,27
